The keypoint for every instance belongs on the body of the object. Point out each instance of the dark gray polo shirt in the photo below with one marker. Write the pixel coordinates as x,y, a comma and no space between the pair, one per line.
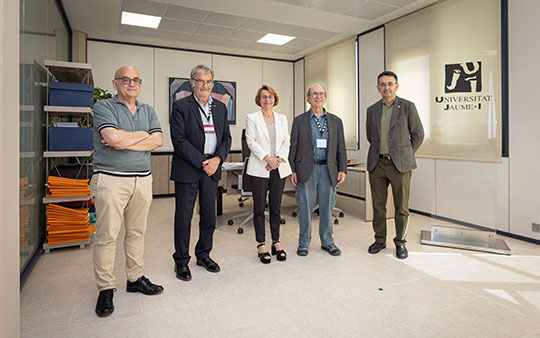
112,113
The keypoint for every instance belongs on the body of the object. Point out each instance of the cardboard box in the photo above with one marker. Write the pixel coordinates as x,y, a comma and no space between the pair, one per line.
71,94
70,139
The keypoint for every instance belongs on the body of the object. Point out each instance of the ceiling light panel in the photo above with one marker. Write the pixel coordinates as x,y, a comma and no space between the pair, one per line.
302,3
142,20
178,25
275,39
260,25
144,7
226,20
212,30
186,13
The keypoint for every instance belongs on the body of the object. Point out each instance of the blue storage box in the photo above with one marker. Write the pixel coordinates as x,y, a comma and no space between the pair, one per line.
71,94
70,139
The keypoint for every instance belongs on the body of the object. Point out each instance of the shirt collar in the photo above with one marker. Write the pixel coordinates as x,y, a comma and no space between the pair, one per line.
312,114
117,100
210,99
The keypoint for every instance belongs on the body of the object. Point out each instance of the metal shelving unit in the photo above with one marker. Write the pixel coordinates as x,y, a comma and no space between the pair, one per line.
75,73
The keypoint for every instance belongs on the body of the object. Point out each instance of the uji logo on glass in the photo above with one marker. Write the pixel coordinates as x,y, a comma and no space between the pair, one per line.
463,77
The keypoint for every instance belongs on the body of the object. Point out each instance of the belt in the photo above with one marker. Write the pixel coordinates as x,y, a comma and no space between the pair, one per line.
385,156
208,155
320,161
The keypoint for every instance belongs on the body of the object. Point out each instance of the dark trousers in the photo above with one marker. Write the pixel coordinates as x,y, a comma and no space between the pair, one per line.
386,173
185,196
274,187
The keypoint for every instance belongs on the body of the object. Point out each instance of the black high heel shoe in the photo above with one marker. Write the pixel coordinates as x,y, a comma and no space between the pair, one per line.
281,255
264,256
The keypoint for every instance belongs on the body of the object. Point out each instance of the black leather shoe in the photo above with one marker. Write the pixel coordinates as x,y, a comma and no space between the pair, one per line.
104,306
376,247
144,285
208,264
182,272
401,252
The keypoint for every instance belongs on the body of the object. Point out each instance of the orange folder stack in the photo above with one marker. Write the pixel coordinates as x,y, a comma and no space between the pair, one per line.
67,187
67,225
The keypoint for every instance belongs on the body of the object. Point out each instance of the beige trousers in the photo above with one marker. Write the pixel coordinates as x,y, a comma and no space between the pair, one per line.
119,200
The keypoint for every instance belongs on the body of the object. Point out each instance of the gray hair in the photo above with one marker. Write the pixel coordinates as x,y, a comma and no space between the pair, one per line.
201,69
309,90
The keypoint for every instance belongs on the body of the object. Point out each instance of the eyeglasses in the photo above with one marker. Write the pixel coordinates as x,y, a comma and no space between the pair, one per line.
318,94
384,85
267,97
200,82
126,80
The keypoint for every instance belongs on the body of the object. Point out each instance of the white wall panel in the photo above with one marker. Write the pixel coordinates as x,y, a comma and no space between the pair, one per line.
524,117
106,58
299,90
467,191
172,63
248,76
279,75
370,65
422,196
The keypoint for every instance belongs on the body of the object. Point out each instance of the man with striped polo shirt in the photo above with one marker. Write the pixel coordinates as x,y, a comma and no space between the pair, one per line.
125,132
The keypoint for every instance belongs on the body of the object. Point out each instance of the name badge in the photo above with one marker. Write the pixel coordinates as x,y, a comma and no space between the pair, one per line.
321,143
209,129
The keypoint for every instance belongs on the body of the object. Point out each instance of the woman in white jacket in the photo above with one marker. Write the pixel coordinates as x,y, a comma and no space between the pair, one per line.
267,136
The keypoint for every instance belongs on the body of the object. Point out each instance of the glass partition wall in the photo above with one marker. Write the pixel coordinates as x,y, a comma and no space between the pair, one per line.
43,35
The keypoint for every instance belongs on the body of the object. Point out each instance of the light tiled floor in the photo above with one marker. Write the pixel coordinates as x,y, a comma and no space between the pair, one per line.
436,292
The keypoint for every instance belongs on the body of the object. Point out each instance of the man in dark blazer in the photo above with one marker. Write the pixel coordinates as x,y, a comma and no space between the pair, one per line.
201,138
395,133
318,159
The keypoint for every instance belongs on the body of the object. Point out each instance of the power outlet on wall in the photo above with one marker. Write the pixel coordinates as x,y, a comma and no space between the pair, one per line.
536,227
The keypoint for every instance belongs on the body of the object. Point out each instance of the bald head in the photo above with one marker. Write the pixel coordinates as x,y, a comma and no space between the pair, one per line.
124,69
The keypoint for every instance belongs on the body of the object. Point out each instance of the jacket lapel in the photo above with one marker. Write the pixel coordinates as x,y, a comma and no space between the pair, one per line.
262,124
331,131
195,110
307,122
395,112
218,128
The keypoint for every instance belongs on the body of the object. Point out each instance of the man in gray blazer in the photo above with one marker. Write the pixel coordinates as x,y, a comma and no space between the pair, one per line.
395,133
318,159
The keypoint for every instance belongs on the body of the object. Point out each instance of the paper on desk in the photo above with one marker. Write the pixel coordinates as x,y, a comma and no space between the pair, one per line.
233,165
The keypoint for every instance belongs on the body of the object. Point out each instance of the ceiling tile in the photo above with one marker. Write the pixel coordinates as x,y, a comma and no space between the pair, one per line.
186,13
135,30
301,43
236,43
320,35
205,40
225,19
243,34
259,25
212,30
273,48
339,7
290,30
144,7
303,3
178,25
370,10
399,3
175,36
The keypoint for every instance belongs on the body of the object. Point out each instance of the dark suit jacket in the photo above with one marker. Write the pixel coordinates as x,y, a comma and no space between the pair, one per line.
405,136
301,152
187,136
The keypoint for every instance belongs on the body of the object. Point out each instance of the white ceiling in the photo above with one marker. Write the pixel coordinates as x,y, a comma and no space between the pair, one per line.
234,26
